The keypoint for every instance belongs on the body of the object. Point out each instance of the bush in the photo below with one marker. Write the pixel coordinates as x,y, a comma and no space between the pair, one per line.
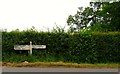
79,48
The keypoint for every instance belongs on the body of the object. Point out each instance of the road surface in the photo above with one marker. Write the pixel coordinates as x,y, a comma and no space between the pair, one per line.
24,69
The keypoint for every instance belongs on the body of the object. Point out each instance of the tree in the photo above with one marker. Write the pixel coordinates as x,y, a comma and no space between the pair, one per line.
105,14
111,15
84,16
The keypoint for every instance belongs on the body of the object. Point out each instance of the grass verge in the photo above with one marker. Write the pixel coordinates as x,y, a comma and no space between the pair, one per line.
58,64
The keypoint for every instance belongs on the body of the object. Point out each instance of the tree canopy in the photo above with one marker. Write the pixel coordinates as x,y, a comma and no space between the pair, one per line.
104,14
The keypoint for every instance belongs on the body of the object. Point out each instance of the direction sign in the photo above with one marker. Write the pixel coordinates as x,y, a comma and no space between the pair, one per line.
39,46
22,47
29,47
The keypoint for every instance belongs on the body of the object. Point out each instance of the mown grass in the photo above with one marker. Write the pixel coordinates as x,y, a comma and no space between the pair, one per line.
59,64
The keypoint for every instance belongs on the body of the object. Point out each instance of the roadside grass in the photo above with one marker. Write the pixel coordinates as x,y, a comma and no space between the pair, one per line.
59,64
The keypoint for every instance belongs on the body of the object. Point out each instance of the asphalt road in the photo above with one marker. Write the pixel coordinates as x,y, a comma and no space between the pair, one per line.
24,69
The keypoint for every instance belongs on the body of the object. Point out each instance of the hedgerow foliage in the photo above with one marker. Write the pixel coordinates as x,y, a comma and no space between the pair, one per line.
78,47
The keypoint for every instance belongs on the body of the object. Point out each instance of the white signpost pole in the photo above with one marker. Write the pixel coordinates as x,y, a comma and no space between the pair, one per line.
30,48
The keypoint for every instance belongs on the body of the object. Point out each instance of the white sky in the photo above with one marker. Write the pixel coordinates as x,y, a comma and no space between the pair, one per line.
42,14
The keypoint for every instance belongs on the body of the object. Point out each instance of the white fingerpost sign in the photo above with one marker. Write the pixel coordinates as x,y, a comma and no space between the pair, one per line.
29,47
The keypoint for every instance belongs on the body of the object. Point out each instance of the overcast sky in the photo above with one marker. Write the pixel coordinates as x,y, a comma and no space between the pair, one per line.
42,14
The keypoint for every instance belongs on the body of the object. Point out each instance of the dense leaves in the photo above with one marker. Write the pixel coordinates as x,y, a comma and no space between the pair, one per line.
79,48
84,17
110,14
104,14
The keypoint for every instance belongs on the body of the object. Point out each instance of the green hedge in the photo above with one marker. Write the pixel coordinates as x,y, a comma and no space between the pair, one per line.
79,48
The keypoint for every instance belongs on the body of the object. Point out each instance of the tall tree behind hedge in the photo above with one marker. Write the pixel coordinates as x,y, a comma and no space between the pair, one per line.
105,13
111,15
83,17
